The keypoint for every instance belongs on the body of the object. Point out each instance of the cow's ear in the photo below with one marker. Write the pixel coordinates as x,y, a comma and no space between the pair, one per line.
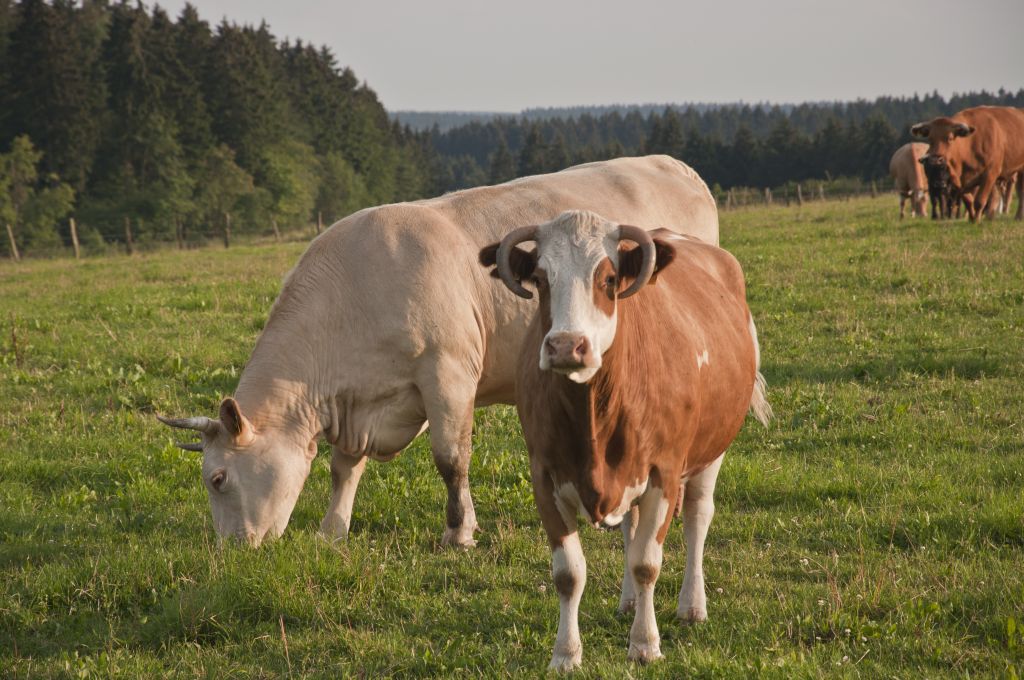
631,261
523,263
236,425
962,130
922,160
920,130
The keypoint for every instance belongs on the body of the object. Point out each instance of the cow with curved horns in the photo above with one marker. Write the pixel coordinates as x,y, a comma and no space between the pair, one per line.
386,325
979,146
629,394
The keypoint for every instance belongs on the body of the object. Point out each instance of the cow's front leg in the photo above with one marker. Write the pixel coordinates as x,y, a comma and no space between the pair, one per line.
346,472
655,513
627,600
568,569
698,509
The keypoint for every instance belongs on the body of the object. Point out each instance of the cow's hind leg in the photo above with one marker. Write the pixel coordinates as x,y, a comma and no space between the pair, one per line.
448,403
698,509
345,474
645,553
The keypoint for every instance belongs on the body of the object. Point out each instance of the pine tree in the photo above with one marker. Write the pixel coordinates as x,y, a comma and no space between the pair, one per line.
533,155
54,96
557,156
502,165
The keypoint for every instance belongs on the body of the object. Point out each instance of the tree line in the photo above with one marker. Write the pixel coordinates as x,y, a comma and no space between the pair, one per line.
115,113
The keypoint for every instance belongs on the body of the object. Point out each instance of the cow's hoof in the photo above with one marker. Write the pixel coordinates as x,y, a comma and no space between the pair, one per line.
627,605
458,537
691,615
564,663
333,531
645,652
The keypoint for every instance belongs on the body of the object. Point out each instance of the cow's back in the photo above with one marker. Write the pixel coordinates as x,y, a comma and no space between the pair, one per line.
998,139
694,328
650,192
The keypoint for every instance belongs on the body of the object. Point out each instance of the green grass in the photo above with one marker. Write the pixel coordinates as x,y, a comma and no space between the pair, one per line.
875,530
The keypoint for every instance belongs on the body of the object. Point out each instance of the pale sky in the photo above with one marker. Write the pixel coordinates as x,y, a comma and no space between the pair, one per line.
434,55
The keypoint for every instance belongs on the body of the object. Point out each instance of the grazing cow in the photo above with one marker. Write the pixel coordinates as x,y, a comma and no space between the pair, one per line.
979,146
386,324
628,403
908,175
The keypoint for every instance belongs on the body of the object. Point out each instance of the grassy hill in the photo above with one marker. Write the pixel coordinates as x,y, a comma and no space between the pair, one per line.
874,530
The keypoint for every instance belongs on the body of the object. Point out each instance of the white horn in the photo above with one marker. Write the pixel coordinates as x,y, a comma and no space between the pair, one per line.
199,423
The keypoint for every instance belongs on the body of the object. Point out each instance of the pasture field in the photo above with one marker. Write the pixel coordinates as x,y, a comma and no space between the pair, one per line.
876,529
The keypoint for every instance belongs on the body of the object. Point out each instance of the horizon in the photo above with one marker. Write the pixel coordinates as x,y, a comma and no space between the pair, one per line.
716,104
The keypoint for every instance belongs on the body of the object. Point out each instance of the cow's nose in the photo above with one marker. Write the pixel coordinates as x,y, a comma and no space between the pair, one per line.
567,350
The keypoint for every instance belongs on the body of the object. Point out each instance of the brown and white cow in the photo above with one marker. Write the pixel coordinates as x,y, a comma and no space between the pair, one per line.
908,176
626,404
980,146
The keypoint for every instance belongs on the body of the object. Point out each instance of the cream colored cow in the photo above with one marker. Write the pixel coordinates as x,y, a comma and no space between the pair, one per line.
387,323
908,174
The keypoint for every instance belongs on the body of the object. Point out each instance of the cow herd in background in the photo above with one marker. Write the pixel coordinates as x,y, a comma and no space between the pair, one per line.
972,160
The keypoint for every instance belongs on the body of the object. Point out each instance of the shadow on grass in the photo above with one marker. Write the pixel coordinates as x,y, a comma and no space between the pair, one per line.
962,365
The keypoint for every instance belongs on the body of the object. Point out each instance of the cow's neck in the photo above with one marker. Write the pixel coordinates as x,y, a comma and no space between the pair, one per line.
276,390
598,420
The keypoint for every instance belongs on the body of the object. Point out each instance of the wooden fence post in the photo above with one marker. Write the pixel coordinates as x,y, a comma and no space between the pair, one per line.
767,196
227,230
128,243
277,232
874,189
821,191
14,246
799,196
74,237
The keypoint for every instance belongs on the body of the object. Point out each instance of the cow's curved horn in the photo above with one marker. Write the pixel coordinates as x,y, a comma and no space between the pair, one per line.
920,129
190,446
511,240
646,243
199,423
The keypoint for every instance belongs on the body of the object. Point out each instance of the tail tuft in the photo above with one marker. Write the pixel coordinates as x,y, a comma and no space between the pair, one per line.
759,405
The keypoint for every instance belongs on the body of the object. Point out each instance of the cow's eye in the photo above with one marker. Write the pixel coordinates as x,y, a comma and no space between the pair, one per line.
217,480
610,282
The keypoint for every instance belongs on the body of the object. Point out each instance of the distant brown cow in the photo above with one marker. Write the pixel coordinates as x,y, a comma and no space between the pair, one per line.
908,175
979,146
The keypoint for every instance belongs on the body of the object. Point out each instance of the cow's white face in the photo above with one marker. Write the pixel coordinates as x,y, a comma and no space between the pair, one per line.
577,281
253,480
580,273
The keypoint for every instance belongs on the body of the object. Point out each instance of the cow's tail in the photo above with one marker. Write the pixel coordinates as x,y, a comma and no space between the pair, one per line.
759,405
